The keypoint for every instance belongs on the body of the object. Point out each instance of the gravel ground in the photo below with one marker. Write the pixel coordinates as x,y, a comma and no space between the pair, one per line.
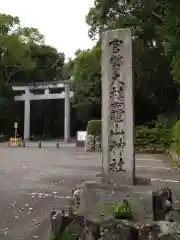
34,180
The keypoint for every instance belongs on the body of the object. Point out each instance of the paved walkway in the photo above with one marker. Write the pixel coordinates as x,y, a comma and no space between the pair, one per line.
34,180
156,167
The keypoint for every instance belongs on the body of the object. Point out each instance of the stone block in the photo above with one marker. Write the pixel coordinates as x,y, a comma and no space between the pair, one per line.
74,229
90,144
173,216
77,193
89,228
97,143
168,230
124,178
117,229
142,181
162,203
80,143
96,198
147,230
59,221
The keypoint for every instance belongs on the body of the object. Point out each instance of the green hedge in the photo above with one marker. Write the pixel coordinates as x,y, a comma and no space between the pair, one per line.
176,140
153,140
94,127
176,131
154,135
147,139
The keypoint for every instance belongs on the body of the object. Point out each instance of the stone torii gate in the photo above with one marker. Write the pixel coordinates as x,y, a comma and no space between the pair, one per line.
28,96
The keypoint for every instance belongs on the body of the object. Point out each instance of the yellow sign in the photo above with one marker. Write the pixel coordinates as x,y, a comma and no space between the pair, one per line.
15,125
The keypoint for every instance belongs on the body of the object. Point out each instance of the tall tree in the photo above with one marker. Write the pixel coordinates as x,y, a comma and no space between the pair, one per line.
31,35
87,84
151,67
24,58
14,53
48,64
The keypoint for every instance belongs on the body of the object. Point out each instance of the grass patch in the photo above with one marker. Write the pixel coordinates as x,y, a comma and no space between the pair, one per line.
175,164
66,236
120,209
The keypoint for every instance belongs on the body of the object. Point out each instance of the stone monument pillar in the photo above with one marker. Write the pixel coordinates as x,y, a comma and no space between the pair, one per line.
117,106
67,114
27,115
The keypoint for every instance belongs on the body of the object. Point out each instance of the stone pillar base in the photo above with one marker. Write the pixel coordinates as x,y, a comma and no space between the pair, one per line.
122,178
95,196
89,144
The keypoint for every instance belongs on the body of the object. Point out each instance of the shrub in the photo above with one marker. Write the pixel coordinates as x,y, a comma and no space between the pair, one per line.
152,139
94,127
176,139
146,138
166,121
176,131
121,209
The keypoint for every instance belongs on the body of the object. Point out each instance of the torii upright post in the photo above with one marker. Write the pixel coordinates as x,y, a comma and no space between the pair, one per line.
67,114
27,115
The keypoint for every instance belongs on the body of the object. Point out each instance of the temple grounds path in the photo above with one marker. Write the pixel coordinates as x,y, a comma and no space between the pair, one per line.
34,180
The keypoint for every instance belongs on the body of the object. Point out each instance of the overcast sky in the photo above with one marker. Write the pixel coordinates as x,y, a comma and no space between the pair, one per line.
61,21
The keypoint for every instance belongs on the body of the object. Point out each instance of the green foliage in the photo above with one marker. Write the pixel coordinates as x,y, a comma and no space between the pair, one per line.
156,71
151,24
164,121
24,55
24,58
65,236
31,35
176,138
94,127
176,131
176,164
176,143
15,54
87,76
121,209
67,71
6,96
153,140
48,64
178,149
87,84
